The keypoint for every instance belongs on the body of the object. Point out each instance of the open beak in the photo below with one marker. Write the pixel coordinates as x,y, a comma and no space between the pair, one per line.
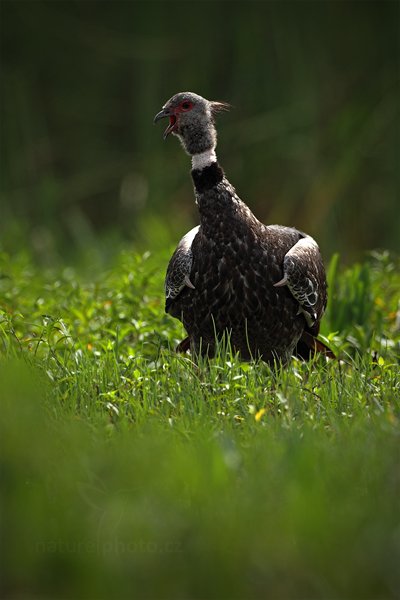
165,112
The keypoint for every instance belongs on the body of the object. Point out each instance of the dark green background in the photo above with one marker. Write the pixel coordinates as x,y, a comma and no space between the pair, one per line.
312,140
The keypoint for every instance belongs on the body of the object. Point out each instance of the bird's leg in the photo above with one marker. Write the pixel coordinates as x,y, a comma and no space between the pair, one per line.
183,346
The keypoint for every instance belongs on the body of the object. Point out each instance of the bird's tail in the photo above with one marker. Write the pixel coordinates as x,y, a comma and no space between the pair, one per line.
308,346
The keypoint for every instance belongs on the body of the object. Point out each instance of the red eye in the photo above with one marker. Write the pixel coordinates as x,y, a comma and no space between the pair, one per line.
186,105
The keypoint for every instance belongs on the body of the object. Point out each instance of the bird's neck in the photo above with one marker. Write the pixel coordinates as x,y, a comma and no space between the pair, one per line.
204,159
214,195
206,172
216,198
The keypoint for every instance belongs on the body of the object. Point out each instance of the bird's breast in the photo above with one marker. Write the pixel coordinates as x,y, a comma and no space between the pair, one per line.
234,272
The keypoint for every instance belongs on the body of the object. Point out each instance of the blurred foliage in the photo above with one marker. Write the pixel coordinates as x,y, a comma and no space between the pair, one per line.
128,471
312,140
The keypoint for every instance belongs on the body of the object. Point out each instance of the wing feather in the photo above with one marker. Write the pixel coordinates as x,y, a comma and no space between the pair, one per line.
304,275
179,268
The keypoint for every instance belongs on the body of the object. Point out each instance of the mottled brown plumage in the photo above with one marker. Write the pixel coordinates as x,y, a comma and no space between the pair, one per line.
263,285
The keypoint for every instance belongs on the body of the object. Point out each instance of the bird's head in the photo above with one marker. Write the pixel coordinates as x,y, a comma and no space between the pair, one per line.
191,118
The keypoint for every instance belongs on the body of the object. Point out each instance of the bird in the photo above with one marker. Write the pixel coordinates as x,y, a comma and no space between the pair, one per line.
263,286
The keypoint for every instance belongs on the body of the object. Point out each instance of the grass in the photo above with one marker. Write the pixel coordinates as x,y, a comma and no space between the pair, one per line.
129,471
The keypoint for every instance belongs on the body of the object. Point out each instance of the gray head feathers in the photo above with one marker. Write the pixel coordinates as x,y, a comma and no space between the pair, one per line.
191,118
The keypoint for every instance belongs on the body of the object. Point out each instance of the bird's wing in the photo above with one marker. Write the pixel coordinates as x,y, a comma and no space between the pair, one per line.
304,275
179,267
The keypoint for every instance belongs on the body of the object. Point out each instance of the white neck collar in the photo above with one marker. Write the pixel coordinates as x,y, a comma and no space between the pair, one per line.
205,159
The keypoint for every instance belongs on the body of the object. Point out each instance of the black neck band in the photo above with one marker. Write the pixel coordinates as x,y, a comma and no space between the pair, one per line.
207,178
